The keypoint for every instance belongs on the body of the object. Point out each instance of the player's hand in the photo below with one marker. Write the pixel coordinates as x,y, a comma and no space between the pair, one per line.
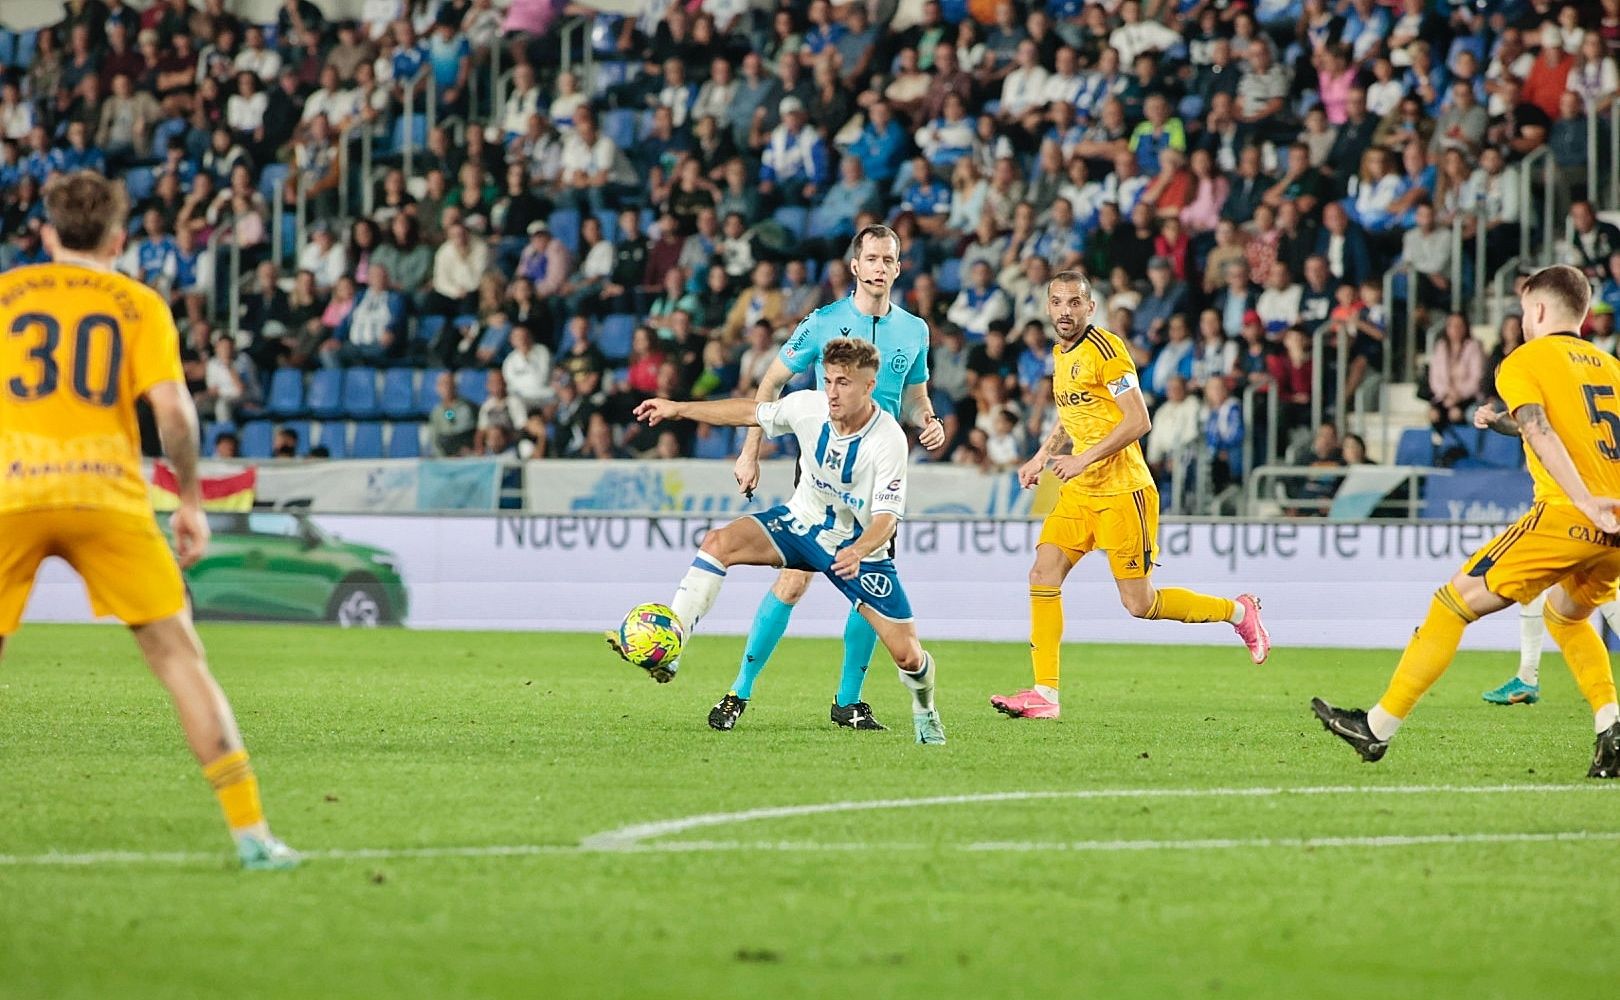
847,563
653,412
932,434
190,535
1601,511
1485,415
1069,466
1030,472
746,472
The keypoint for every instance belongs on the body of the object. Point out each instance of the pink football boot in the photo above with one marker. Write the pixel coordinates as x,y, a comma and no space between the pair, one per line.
1253,630
1030,704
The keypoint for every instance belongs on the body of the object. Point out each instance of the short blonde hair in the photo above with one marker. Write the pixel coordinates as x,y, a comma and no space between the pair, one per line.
850,353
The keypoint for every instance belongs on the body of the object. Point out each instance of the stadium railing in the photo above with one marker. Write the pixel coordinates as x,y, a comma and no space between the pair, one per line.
1273,417
1264,483
1527,212
430,94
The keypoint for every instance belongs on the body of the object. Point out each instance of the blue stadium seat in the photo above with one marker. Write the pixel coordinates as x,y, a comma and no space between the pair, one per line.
1499,451
332,435
715,444
427,393
1414,447
396,138
139,183
286,393
326,393
613,336
211,434
267,181
399,393
793,219
360,392
256,438
470,385
301,428
608,219
620,126
23,54
564,224
405,440
428,329
367,441
950,276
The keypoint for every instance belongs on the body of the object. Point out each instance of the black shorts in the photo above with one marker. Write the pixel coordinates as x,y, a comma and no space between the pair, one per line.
798,471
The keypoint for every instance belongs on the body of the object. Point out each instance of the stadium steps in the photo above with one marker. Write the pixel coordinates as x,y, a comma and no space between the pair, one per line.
1405,409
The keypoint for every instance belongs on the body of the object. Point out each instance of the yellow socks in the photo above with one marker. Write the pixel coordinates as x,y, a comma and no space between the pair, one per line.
1429,653
1045,633
1179,605
237,789
1587,659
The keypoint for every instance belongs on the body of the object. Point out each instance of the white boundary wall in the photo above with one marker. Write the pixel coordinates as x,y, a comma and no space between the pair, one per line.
1322,584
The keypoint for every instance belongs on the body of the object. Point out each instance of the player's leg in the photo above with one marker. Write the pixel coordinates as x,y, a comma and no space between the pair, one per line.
1514,566
916,667
175,655
1128,528
770,624
131,574
743,542
1067,534
1524,688
1569,613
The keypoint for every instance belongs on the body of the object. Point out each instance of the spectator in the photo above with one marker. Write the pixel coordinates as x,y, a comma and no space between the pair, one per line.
232,384
1428,249
1342,244
980,304
285,444
1462,124
408,261
1248,187
1177,427
374,331
324,257
1456,374
453,423
1224,434
794,165
1591,241
1549,75
458,267
499,418
1279,304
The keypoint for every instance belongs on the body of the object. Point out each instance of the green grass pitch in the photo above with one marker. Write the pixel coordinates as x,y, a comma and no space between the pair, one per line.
387,741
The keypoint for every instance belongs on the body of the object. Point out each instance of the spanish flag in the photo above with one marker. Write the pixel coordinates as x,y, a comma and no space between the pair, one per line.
233,492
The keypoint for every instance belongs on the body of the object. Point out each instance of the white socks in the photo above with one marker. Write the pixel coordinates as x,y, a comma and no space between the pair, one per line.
1238,613
921,685
697,591
1049,693
1382,724
1606,716
1532,634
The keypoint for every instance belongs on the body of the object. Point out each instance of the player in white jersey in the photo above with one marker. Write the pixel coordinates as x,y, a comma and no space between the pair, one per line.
849,501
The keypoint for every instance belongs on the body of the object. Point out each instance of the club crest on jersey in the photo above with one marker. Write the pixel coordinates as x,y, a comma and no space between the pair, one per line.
877,584
1074,370
897,364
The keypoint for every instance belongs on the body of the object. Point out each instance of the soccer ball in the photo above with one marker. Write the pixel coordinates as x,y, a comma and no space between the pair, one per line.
651,636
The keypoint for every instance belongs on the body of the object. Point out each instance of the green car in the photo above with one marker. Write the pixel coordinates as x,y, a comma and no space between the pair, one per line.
277,566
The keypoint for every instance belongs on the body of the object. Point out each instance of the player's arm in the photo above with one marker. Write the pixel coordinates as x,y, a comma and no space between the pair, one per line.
1133,424
176,419
719,413
920,413
848,561
1056,443
1538,434
1488,417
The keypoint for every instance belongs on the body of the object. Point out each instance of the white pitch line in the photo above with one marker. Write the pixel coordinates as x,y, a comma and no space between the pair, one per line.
639,838
629,837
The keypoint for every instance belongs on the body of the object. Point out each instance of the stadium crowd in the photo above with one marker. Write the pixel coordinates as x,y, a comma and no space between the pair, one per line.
1235,177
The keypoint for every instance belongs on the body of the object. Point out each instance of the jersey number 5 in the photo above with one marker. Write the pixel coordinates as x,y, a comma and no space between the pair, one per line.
47,334
1607,418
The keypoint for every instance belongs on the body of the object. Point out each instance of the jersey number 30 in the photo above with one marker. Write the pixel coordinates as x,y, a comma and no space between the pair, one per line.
98,350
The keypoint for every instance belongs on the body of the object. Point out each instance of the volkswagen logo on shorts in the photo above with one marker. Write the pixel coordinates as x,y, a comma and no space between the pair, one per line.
876,584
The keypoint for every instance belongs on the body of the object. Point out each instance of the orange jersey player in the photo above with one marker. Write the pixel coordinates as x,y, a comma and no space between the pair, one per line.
1108,500
79,345
1563,397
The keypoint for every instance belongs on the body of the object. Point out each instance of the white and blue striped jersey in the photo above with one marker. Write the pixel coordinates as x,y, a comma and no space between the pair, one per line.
846,480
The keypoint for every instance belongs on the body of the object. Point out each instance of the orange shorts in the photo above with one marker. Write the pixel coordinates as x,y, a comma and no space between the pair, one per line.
1551,544
125,562
1125,525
